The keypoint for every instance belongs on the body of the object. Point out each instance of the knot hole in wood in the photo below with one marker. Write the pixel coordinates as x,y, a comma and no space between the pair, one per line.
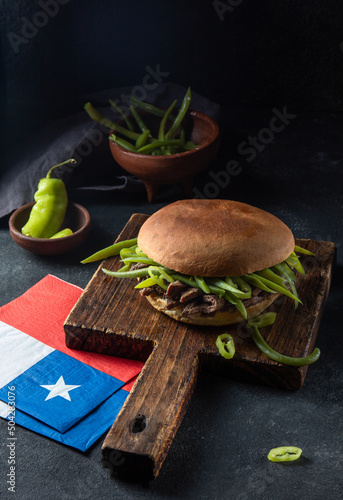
138,424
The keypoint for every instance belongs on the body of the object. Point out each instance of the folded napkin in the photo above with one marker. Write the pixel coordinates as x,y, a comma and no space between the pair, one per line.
79,137
67,395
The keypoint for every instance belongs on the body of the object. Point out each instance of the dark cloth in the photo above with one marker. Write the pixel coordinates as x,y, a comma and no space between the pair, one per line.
79,137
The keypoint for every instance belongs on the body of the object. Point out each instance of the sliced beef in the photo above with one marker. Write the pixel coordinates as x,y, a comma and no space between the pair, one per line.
138,265
208,304
190,294
148,290
175,289
172,303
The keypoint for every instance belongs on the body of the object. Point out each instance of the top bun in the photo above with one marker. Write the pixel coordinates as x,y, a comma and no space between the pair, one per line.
215,238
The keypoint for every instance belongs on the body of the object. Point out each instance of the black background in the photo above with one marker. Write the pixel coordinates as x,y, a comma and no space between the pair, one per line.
251,58
255,54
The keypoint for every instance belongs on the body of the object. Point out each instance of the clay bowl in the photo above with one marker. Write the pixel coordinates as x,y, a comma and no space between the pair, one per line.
180,168
77,219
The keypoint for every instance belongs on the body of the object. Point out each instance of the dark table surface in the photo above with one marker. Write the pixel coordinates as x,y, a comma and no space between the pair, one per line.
221,447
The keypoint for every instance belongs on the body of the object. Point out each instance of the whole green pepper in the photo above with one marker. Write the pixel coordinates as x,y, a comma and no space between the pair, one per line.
47,214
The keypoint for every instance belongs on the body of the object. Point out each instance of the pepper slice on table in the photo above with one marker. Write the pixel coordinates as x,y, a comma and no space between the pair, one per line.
48,213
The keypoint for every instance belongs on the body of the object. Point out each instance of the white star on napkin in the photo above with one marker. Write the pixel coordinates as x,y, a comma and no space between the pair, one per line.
59,389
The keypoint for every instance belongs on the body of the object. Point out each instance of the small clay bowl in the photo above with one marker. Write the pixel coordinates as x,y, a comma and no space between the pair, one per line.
77,219
181,168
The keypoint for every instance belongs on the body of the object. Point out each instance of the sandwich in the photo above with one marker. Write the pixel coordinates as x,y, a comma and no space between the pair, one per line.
211,262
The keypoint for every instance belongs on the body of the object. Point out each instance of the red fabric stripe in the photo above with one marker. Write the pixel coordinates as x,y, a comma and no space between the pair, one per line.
41,311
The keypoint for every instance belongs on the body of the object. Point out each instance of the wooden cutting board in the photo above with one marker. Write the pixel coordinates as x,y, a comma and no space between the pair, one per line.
112,318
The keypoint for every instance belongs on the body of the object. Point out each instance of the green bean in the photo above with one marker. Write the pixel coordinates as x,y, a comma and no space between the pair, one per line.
190,145
145,106
289,275
187,281
157,144
141,141
227,285
125,268
284,269
201,283
236,302
109,251
95,115
255,281
137,273
121,112
303,250
183,136
140,259
278,288
270,275
138,119
293,261
264,319
180,116
280,358
161,132
242,285
123,143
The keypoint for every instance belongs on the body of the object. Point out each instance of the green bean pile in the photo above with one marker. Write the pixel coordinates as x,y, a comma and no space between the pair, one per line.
168,141
234,289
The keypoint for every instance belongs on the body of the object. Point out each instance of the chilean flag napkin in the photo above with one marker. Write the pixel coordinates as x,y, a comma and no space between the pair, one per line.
70,396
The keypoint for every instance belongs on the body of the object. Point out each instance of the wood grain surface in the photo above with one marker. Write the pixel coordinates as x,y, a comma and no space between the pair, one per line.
112,318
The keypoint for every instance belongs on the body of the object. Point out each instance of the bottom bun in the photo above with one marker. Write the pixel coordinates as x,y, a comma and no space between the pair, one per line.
219,318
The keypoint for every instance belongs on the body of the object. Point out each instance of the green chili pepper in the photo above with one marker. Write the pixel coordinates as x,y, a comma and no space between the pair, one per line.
121,112
47,214
154,272
284,454
62,234
110,251
226,349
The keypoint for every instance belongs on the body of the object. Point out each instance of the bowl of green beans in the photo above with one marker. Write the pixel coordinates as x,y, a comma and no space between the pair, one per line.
161,146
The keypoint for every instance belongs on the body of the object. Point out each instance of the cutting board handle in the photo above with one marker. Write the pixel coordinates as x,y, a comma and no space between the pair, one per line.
140,437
